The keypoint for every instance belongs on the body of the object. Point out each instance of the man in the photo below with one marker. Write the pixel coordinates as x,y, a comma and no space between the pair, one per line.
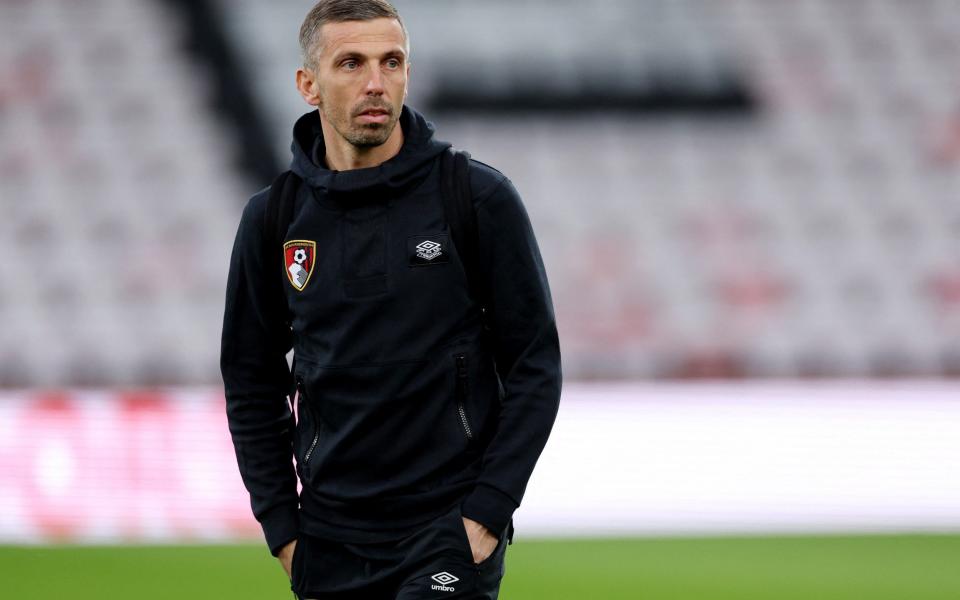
417,427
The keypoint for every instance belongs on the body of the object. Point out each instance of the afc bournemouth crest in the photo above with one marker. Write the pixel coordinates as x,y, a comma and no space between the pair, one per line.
298,257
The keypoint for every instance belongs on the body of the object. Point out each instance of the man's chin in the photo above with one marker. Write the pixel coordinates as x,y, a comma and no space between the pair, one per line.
374,134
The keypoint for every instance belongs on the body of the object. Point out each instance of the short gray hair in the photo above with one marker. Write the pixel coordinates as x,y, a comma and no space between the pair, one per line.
339,11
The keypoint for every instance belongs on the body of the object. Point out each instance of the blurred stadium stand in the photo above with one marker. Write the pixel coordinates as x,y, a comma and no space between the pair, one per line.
812,231
119,193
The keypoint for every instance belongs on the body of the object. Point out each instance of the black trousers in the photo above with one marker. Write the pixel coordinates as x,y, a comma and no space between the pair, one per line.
434,562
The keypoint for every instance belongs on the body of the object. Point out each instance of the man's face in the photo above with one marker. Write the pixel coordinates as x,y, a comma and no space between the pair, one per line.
360,79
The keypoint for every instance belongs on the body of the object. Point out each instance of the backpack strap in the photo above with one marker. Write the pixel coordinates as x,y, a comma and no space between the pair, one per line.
276,222
462,220
279,213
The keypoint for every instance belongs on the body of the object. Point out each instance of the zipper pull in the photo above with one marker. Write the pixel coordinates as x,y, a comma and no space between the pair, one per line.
462,365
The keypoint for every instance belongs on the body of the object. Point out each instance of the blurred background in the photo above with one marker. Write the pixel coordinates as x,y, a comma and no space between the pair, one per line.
749,213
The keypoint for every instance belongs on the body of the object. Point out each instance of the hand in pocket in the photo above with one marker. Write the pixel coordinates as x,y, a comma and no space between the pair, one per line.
286,558
482,540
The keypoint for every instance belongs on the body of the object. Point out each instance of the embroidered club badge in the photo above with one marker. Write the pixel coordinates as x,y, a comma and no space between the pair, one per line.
298,258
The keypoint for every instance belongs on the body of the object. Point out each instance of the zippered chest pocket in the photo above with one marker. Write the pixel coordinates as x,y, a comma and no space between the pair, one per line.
462,390
314,439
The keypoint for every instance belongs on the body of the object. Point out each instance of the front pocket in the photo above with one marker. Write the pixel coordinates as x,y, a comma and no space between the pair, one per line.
462,389
465,538
294,570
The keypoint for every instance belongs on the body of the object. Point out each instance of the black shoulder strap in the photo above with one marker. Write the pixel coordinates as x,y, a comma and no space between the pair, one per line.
279,213
276,222
462,219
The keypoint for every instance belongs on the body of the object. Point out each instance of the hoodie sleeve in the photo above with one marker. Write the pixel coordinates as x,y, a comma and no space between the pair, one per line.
256,382
527,356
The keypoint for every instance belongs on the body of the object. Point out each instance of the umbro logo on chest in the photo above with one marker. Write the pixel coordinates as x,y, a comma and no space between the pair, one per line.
424,250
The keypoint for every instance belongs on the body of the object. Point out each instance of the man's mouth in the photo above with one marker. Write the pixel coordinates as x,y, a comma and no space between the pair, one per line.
374,115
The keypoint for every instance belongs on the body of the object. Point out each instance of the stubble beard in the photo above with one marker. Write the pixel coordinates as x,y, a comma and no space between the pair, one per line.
366,135
371,134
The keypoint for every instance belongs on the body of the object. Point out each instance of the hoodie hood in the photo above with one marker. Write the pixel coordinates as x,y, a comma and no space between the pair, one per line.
408,167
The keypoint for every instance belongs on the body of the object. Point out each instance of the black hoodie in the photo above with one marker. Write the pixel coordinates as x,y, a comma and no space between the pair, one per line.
407,406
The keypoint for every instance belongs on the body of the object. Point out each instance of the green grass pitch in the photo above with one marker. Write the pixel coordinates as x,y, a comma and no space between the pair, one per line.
874,567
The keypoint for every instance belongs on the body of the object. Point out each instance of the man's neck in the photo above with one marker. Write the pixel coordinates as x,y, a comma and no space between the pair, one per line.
341,155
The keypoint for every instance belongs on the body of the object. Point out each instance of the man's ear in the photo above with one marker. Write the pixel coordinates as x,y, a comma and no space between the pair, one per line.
306,85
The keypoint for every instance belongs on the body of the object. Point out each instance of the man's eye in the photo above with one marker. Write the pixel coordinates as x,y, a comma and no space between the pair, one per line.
350,64
393,64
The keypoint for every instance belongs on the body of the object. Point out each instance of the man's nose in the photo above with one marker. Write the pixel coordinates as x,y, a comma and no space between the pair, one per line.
375,83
